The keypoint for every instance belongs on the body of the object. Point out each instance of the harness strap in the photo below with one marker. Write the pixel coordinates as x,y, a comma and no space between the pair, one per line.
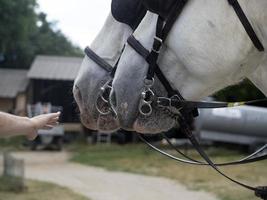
247,25
177,103
175,12
249,159
259,191
142,51
152,57
98,60
162,32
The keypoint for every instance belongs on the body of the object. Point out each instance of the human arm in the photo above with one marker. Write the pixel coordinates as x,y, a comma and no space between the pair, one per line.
11,125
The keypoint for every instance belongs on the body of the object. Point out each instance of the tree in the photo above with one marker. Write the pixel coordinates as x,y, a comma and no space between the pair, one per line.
244,91
25,34
48,41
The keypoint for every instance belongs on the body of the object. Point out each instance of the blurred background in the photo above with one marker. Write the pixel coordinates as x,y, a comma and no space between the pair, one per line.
41,49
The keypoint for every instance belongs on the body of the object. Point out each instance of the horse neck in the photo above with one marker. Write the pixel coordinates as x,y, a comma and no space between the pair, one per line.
111,39
202,75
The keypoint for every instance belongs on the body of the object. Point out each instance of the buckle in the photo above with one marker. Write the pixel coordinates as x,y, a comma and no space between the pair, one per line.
158,39
157,45
164,102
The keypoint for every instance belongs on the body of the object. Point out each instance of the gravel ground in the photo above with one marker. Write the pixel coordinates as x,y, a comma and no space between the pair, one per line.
99,184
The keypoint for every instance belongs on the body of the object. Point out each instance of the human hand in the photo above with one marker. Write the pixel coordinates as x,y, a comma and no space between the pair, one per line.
45,121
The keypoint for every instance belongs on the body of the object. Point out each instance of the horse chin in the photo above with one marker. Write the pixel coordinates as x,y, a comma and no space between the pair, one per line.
103,123
88,121
108,123
158,122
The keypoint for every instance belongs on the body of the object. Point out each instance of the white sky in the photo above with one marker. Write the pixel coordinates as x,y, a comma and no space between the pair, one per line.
79,20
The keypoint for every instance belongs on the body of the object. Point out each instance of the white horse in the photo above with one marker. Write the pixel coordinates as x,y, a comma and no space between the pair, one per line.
108,45
206,50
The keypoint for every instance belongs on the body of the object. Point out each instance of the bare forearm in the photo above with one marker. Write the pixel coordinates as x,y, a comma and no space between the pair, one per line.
11,125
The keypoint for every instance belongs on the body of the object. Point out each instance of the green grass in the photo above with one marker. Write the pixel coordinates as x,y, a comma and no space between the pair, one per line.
12,144
36,191
140,159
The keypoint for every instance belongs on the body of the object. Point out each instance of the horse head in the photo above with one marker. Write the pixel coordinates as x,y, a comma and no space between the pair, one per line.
206,50
108,46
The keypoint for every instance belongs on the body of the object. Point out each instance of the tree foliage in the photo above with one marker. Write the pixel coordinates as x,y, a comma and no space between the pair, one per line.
244,91
24,33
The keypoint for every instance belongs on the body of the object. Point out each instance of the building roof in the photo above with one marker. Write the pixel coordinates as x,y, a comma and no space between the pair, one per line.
12,82
55,68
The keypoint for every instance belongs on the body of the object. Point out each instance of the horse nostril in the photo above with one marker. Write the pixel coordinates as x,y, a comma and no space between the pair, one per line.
112,99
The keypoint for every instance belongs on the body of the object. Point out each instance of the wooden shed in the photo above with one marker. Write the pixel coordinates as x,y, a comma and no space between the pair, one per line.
52,80
13,91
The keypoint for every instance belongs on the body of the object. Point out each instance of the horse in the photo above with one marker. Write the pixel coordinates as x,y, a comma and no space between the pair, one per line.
206,50
195,67
107,46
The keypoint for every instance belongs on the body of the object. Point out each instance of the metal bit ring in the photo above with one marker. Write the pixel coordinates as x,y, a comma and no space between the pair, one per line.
142,108
149,83
99,110
105,89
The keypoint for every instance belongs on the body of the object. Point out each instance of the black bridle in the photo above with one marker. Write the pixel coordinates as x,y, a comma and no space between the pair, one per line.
105,90
187,109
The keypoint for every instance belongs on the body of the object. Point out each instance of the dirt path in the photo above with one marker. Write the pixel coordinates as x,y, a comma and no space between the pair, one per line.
99,184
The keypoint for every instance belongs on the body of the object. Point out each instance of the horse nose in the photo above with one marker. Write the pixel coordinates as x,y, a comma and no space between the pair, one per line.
121,109
77,94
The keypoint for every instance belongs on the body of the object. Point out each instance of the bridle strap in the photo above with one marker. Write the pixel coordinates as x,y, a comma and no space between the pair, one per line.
105,90
175,12
142,51
98,60
162,32
247,25
249,159
176,103
259,191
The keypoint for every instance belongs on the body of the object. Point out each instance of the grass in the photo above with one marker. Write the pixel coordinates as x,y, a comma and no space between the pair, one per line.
36,191
142,160
13,144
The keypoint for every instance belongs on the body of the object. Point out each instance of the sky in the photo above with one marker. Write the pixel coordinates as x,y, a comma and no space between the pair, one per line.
79,20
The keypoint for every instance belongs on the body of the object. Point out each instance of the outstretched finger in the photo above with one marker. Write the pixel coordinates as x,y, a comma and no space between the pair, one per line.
54,115
52,123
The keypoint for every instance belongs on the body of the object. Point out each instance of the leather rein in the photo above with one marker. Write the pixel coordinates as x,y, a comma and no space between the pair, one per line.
187,109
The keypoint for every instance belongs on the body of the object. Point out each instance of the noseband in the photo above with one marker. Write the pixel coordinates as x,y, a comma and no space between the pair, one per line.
103,96
188,109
